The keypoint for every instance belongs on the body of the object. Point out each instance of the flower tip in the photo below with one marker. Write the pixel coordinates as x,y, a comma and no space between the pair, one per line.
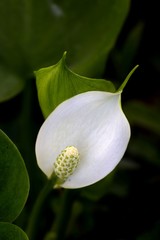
127,78
64,55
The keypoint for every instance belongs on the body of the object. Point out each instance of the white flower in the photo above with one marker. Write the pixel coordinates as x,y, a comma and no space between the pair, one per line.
92,122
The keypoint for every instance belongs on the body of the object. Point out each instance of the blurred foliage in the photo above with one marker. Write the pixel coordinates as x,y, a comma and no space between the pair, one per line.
124,205
34,34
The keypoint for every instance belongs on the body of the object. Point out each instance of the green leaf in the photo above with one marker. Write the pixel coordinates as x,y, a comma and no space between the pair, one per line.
57,83
91,31
14,182
34,34
10,231
10,84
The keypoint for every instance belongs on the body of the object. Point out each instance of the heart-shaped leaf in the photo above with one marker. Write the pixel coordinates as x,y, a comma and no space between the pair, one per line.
57,83
14,182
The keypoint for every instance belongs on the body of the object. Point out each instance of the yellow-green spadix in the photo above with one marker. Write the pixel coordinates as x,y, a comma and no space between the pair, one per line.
92,122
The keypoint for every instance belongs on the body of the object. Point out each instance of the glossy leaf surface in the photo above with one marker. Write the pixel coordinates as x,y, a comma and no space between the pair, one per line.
14,182
10,231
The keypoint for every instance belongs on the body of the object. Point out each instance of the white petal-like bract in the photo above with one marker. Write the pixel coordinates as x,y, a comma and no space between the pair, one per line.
95,124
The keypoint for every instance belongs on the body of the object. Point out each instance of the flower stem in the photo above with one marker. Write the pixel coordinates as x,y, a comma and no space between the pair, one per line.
59,229
64,215
34,217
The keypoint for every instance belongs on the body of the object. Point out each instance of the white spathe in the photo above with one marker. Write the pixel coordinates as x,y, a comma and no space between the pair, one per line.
95,124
